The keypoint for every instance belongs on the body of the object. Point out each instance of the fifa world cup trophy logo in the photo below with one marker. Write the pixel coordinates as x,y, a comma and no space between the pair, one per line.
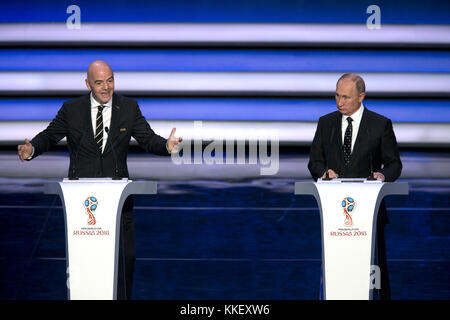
348,204
90,204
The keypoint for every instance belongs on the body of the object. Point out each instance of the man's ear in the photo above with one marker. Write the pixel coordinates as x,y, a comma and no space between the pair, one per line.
362,95
87,85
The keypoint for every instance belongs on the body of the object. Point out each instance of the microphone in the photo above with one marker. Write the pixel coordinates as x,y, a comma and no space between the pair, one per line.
116,171
73,175
371,177
327,175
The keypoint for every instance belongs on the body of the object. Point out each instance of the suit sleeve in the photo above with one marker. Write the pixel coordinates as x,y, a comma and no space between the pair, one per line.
146,137
56,130
390,157
317,161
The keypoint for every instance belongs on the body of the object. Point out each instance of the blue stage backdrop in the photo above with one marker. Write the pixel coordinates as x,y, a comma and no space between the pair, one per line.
271,11
407,70
216,240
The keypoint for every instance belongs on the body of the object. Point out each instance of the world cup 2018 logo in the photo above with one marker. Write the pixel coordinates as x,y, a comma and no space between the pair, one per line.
349,205
90,205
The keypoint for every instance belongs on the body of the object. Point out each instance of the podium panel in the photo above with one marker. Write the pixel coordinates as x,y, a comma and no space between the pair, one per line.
92,212
348,214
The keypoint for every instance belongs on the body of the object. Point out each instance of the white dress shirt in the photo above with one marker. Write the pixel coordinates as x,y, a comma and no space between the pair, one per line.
106,117
355,124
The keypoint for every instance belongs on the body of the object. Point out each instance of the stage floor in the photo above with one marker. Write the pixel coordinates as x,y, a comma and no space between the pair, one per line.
241,238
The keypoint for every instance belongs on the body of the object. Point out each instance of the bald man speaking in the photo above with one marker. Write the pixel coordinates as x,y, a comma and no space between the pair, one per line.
88,122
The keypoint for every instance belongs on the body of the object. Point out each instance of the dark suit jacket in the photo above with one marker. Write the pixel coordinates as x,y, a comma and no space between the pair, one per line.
375,139
73,121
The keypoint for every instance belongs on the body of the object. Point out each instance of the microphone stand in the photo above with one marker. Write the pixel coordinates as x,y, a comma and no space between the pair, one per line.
73,176
371,177
327,175
116,171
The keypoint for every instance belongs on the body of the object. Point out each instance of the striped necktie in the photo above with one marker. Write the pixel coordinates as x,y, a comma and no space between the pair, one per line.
348,141
99,128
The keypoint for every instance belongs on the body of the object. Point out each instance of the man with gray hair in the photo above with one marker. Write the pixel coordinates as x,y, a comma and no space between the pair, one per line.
354,142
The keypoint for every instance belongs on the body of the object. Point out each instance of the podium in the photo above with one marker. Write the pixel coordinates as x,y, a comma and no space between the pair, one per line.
348,216
92,212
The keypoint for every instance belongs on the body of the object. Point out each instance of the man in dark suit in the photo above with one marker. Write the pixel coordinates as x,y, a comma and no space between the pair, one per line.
353,142
98,128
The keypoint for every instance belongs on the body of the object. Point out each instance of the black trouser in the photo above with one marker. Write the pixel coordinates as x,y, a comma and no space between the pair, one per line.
126,252
384,293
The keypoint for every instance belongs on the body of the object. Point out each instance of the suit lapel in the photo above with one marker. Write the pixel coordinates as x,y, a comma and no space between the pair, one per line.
361,132
113,128
338,126
87,119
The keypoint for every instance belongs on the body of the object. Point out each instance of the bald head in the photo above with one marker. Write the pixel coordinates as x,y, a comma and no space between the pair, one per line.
98,66
100,80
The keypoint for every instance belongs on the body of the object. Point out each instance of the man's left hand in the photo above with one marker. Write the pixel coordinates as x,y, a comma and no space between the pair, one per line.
172,141
378,175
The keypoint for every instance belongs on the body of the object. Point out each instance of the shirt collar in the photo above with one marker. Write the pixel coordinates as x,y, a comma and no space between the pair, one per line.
356,116
95,103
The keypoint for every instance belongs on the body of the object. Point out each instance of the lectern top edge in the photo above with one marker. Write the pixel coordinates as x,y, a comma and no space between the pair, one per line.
349,180
106,180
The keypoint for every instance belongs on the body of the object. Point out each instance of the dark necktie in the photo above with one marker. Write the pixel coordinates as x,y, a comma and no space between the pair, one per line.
348,141
99,128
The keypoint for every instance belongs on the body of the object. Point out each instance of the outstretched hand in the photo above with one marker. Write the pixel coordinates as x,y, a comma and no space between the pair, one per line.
173,141
25,150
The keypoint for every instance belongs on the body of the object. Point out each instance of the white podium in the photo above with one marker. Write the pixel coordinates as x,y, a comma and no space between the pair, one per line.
92,212
348,215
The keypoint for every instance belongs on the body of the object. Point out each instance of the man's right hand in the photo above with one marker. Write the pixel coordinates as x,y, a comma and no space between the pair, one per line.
331,173
25,150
